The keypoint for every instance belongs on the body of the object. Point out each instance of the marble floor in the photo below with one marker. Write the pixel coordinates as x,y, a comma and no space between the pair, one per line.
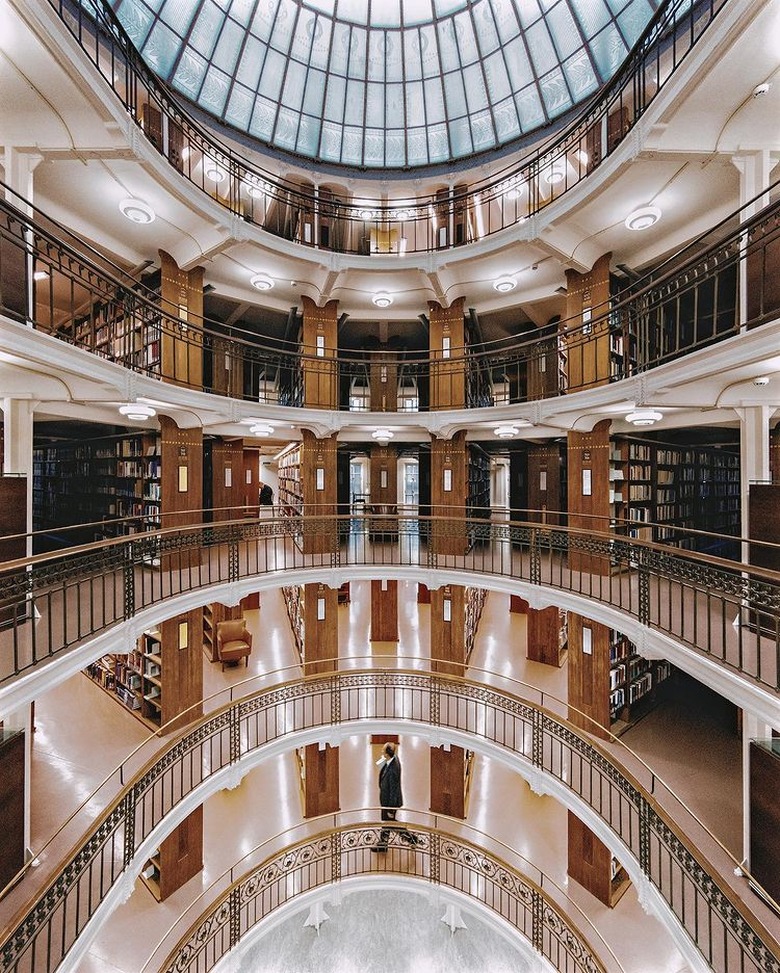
691,740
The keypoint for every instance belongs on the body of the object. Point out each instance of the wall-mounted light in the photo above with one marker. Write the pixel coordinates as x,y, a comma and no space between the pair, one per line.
262,282
137,410
643,218
446,609
184,635
382,299
136,210
644,417
382,436
504,284
320,609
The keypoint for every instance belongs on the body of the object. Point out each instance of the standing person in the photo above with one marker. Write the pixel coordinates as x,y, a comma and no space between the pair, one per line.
391,796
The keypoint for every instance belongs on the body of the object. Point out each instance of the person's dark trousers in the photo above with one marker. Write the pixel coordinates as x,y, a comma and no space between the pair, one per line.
388,814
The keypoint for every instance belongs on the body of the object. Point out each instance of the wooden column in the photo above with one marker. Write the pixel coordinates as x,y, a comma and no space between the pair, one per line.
383,492
448,494
591,864
545,642
544,483
383,384
384,611
321,649
181,348
448,781
251,477
181,463
227,486
320,347
227,367
447,348
588,348
588,501
319,478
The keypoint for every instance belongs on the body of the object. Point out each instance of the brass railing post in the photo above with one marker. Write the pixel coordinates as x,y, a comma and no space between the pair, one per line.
234,909
535,572
129,816
129,580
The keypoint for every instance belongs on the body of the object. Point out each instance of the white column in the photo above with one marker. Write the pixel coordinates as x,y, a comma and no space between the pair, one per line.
18,446
753,454
754,177
18,458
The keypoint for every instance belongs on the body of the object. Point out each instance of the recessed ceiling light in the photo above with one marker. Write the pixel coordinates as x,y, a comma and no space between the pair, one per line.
556,172
213,170
261,429
137,410
504,284
262,282
505,432
136,210
644,417
643,218
382,299
382,436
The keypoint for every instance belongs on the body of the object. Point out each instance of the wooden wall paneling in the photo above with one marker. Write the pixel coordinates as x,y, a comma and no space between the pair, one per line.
11,804
321,627
448,469
764,525
181,348
227,367
320,347
384,611
589,675
765,818
251,481
227,479
423,594
588,354
320,491
544,636
448,783
763,273
544,483
447,341
448,637
518,605
321,781
588,469
543,374
13,520
13,280
591,864
518,482
383,492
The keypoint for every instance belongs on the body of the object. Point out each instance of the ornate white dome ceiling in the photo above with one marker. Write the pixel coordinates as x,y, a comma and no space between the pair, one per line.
391,84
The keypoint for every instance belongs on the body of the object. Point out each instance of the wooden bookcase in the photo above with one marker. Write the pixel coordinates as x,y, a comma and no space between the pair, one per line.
633,681
547,635
290,497
477,482
473,605
178,858
293,602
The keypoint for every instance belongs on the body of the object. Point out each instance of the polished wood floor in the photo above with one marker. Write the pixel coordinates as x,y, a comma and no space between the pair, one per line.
82,733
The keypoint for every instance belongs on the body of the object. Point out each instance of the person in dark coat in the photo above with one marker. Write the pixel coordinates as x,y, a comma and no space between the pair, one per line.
391,796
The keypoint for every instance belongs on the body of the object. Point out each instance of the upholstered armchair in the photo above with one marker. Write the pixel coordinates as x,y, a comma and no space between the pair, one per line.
234,642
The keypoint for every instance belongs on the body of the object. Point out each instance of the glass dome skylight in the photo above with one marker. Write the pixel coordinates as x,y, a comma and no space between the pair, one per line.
385,83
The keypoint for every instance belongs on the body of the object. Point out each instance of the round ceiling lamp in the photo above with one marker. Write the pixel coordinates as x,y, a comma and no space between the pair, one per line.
136,210
382,299
262,282
556,172
514,189
403,214
137,410
261,429
213,170
382,436
644,417
505,432
504,284
643,218
254,187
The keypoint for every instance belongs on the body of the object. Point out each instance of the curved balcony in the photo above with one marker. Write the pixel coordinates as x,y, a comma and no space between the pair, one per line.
327,217
718,619
689,303
459,865
626,808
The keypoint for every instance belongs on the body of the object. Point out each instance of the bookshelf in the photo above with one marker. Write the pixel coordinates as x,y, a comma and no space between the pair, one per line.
290,492
474,603
293,602
477,482
674,486
633,681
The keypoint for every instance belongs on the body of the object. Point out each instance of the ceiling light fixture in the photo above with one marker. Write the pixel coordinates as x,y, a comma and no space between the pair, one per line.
761,89
643,218
505,284
213,170
254,187
760,380
403,214
261,429
514,189
556,172
382,436
382,299
505,432
644,417
262,282
137,410
136,210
